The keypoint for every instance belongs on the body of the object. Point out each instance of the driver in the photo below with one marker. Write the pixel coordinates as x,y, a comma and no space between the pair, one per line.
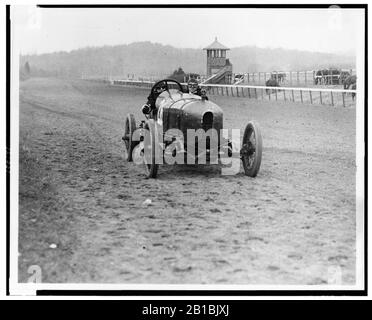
150,104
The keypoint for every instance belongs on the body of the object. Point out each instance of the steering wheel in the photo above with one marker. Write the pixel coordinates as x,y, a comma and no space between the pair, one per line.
162,85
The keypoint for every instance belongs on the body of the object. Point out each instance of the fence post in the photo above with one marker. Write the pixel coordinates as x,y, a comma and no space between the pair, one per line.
227,91
262,94
320,96
311,97
222,91
255,92
301,96
332,98
293,96
343,99
276,94
285,99
237,91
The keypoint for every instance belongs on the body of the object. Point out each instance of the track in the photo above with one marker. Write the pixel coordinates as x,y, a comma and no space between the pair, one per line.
287,226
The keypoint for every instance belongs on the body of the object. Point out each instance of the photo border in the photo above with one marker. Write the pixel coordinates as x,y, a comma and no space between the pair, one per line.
104,292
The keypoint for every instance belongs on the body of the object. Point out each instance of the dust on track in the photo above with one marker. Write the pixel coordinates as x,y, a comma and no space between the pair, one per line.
286,226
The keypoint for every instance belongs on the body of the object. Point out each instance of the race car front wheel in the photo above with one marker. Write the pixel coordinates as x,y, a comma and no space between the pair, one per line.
129,128
251,151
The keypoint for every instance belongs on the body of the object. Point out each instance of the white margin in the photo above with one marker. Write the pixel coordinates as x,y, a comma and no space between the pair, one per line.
21,289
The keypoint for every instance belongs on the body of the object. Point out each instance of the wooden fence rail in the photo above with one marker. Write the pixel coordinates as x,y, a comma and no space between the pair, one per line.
333,97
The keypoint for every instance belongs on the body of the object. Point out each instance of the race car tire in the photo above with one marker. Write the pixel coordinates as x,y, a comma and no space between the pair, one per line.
129,128
251,152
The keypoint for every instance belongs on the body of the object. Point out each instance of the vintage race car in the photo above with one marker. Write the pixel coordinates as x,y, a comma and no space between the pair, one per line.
183,127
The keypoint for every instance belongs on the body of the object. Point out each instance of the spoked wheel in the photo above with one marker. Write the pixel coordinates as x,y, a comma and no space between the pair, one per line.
150,152
251,151
129,128
229,149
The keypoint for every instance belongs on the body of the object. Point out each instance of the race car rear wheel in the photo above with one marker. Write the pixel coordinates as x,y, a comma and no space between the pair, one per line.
150,152
251,151
129,128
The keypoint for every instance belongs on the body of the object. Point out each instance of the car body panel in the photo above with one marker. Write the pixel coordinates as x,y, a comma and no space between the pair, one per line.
182,111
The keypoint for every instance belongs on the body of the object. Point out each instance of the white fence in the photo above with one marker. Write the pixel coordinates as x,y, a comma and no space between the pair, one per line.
320,96
298,78
333,97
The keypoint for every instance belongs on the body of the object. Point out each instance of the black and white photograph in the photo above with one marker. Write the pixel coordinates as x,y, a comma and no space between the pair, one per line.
177,147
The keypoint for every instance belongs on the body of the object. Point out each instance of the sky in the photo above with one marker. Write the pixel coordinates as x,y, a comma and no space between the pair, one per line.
43,30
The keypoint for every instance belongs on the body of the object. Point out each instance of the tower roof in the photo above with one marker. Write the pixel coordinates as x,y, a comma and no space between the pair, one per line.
216,46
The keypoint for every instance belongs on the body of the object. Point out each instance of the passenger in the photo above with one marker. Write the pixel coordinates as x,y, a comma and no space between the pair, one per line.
195,89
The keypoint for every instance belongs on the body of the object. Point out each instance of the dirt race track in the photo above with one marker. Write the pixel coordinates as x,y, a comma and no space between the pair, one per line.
286,226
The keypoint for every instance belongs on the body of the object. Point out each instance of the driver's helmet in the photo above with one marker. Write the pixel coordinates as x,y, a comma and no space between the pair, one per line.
193,86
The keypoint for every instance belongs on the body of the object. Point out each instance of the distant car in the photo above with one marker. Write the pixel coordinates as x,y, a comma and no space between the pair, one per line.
334,76
176,110
238,77
278,76
328,76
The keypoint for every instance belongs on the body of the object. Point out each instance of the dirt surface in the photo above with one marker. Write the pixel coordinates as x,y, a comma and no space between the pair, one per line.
288,225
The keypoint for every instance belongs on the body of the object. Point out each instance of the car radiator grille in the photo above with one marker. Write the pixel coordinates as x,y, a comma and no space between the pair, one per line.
207,121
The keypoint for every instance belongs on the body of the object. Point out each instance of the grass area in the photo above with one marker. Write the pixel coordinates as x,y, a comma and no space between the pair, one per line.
34,181
42,221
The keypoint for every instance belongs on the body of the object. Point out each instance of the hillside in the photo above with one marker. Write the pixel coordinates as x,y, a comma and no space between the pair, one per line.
154,59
